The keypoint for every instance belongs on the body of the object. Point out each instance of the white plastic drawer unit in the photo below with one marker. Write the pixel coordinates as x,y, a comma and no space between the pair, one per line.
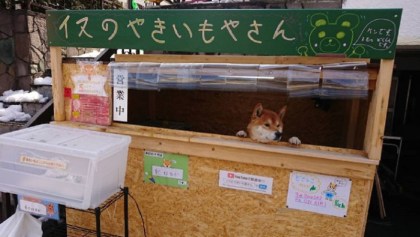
74,167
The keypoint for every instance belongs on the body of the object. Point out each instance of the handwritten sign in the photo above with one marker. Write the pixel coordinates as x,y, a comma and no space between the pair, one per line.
310,32
166,169
51,164
172,173
319,193
378,34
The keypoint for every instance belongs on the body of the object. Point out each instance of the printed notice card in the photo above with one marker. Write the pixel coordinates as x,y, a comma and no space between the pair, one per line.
245,182
166,169
319,193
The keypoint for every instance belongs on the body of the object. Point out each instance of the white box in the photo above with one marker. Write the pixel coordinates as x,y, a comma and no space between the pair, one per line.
74,167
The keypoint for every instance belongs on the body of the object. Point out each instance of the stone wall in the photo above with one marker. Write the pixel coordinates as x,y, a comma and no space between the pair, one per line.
15,45
24,52
7,51
22,55
39,53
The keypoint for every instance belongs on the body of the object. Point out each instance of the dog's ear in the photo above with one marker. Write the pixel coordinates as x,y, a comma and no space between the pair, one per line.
257,111
282,112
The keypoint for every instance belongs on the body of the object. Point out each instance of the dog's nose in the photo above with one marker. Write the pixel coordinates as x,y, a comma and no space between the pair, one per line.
277,136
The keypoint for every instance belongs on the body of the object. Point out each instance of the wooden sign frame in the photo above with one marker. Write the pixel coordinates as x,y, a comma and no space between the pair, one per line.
309,32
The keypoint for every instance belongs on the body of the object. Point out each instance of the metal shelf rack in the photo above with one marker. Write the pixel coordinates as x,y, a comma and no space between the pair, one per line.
79,231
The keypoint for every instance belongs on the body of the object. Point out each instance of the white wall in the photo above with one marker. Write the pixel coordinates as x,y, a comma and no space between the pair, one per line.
409,33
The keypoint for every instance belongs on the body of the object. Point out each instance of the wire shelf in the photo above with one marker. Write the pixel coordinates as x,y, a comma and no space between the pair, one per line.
104,205
76,231
68,230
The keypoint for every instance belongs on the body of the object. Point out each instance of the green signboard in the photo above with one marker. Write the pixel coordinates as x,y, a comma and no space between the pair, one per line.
166,169
311,32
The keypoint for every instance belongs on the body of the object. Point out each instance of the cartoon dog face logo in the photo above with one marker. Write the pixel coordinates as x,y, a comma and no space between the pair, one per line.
330,191
332,186
167,163
332,37
50,209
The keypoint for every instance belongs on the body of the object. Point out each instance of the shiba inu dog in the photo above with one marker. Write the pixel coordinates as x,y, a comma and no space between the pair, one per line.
266,126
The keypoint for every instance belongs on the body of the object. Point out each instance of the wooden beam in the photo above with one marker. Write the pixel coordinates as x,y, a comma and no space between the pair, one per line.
288,161
378,107
279,156
57,83
317,159
173,58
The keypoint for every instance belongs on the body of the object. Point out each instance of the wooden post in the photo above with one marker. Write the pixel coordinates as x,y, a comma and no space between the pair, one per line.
57,84
352,125
377,111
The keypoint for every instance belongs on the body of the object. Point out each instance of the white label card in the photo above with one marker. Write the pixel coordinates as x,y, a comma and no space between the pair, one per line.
33,207
52,164
89,85
167,172
245,182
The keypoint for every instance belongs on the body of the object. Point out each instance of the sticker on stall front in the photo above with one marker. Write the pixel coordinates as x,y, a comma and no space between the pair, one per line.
245,182
51,164
166,169
322,194
39,207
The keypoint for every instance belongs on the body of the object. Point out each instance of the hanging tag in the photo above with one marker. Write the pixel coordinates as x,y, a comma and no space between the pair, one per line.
39,207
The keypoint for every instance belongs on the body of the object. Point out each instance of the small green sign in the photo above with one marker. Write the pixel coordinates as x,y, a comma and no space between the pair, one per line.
166,169
365,33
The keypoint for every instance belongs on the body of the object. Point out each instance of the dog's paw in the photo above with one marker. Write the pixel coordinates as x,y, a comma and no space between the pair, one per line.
241,133
294,141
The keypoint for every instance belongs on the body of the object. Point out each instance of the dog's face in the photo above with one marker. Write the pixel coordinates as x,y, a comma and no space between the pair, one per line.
266,125
332,186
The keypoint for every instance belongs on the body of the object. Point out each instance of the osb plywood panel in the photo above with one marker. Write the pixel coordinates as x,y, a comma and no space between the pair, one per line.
205,209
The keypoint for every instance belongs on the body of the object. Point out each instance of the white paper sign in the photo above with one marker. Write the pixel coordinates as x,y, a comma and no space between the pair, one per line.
52,164
167,172
89,85
319,193
120,92
246,182
33,207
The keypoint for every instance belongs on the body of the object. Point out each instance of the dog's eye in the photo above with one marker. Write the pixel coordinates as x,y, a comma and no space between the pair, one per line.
278,125
267,125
